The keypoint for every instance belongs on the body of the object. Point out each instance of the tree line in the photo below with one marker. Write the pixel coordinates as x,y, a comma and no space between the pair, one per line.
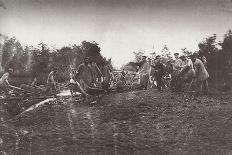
37,61
219,57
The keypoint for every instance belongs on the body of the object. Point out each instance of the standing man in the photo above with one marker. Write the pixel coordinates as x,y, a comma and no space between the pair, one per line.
187,70
75,86
201,75
96,72
144,72
84,74
176,64
106,71
4,83
159,73
51,83
175,83
123,76
203,58
34,82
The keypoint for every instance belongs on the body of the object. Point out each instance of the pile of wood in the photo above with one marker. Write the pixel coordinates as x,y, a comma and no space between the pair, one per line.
21,98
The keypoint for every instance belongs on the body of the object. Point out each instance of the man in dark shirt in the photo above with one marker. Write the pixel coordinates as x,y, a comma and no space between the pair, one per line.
85,78
159,73
123,76
96,72
84,74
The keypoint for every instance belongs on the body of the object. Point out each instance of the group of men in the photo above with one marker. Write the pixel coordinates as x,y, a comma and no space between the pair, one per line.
88,74
192,69
183,69
5,85
85,78
145,72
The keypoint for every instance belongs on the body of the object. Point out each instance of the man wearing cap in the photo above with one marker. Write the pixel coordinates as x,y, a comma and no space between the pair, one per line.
144,72
4,81
177,63
175,83
201,75
159,73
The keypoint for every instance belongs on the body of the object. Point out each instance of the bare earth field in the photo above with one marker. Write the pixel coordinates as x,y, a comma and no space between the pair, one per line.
137,122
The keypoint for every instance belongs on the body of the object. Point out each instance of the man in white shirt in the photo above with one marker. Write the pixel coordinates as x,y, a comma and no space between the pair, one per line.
4,82
201,75
177,63
187,69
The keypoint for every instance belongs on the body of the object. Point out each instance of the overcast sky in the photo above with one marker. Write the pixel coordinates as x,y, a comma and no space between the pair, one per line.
119,26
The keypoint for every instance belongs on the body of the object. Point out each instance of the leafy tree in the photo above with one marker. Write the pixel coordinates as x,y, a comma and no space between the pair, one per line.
218,59
138,55
8,51
227,56
63,59
186,52
214,57
40,62
131,66
209,45
19,59
37,62
166,53
92,50
2,40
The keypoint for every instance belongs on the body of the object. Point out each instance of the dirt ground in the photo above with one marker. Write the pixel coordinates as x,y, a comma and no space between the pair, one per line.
137,122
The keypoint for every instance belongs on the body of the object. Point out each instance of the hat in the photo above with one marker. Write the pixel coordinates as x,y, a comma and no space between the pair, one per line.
176,54
10,70
157,56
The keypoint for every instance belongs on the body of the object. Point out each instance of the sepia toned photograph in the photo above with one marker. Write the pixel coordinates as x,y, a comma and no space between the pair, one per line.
115,77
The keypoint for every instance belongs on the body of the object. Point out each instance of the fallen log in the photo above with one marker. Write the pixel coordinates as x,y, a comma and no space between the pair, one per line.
31,88
11,98
23,98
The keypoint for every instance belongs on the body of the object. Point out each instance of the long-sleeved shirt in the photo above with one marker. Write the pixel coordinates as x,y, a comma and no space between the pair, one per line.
177,64
145,68
4,78
200,70
84,72
51,78
159,67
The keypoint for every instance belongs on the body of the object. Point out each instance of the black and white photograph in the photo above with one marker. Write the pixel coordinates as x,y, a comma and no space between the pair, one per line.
115,77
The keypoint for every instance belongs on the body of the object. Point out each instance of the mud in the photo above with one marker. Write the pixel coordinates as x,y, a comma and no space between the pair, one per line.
137,122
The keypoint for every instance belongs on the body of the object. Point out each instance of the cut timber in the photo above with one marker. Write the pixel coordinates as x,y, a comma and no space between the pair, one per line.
21,98
31,88
17,88
11,98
